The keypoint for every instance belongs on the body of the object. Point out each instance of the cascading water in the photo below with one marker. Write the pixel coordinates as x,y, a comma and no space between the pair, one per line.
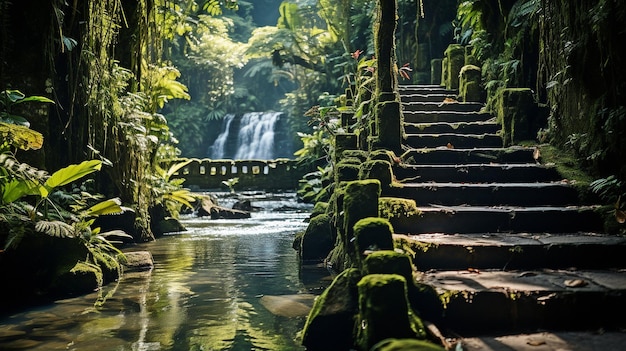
250,136
219,146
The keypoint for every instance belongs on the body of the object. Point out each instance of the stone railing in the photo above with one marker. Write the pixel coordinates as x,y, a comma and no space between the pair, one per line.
207,174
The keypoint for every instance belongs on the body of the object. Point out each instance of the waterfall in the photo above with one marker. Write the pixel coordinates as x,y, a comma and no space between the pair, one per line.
248,137
218,150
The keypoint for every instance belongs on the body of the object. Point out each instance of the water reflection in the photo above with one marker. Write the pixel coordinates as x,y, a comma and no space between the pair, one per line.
212,289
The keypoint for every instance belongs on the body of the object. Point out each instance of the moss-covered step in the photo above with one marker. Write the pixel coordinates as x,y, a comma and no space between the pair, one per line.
429,97
494,219
478,127
494,301
453,140
445,155
443,106
487,194
478,172
425,89
514,251
445,116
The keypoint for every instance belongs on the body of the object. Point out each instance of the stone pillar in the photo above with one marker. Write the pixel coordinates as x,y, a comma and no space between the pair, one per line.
456,59
517,113
444,72
360,201
372,234
388,123
435,71
470,84
384,311
344,141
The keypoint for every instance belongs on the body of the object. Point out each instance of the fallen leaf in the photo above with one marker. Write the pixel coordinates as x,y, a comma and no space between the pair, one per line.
535,342
473,270
575,283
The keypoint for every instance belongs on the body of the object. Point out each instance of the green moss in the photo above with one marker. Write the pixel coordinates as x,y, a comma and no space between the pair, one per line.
350,160
384,310
389,262
394,207
377,169
406,345
382,154
360,201
566,163
359,154
372,233
319,208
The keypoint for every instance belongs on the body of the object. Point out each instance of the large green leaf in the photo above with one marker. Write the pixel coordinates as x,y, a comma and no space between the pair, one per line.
107,207
72,172
16,189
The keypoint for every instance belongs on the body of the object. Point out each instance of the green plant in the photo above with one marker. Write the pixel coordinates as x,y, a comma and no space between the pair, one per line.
230,183
168,191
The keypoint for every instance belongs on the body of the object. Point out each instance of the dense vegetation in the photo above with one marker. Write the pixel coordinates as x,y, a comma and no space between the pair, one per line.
129,86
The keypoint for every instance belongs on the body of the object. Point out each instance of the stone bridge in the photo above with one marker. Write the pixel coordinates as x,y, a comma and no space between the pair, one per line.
270,175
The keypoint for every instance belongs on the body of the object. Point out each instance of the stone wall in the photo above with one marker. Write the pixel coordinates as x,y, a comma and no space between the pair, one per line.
279,174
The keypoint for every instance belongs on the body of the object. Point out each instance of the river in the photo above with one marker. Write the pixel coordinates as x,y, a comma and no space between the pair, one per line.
220,285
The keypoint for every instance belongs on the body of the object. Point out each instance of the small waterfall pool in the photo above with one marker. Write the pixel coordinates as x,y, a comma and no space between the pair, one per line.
221,285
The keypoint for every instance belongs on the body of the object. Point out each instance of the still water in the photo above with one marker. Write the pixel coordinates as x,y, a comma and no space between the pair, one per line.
220,285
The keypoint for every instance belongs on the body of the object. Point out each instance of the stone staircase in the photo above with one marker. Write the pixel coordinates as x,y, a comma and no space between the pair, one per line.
507,243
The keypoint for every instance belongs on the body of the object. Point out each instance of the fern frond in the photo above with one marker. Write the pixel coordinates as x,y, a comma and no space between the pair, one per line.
55,228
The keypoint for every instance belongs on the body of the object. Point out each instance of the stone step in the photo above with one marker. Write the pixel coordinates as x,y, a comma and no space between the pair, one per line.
515,251
445,116
487,194
443,106
428,97
479,127
493,301
454,140
444,155
425,89
482,172
496,219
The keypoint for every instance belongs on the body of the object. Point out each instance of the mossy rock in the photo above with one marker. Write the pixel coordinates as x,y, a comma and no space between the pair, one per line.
347,172
389,262
318,239
372,234
384,311
406,345
330,323
401,213
423,298
324,194
360,201
377,169
319,208
359,154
